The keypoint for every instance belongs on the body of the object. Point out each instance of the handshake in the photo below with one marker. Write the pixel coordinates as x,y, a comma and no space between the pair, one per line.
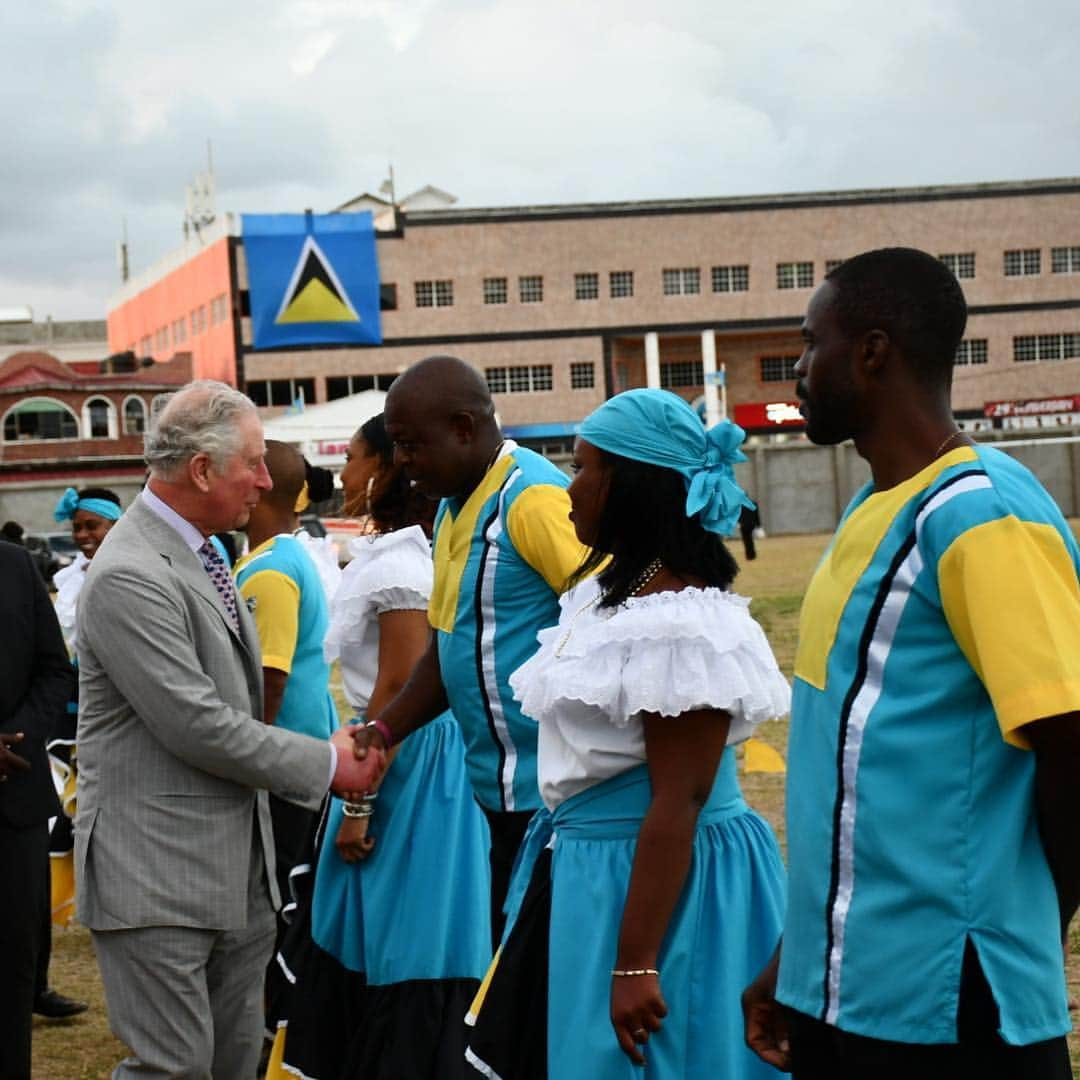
360,767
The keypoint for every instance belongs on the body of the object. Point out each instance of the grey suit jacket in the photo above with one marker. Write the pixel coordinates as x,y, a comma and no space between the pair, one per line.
173,757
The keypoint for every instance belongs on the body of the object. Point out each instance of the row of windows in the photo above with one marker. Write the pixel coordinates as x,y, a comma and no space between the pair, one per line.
1020,262
280,391
675,374
45,418
339,386
1034,347
675,281
970,351
178,332
534,378
686,280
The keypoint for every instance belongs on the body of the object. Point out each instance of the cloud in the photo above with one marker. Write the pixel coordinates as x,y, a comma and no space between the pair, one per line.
502,102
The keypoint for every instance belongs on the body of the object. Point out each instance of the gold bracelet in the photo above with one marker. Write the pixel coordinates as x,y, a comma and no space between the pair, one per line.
634,971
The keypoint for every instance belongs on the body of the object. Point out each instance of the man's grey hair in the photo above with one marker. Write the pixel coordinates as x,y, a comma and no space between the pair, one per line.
199,418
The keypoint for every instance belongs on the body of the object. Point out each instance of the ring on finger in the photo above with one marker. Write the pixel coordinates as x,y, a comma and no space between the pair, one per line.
640,1035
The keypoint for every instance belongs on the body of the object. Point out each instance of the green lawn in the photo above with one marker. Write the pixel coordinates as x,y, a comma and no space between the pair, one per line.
83,1048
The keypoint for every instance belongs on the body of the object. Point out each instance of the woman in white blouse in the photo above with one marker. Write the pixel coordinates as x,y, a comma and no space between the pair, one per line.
651,886
391,948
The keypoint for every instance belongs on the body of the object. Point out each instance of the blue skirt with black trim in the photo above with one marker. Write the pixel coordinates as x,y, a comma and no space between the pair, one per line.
722,933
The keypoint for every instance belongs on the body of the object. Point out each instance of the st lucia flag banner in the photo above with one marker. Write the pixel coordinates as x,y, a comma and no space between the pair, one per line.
313,279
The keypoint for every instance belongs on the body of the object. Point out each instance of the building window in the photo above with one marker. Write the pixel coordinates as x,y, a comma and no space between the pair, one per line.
1065,260
96,412
134,416
777,368
339,386
39,418
971,351
582,376
179,331
281,391
495,290
542,376
1032,347
146,347
795,275
388,296
962,265
832,264
621,284
684,281
434,293
219,309
730,278
677,373
531,289
519,380
586,286
1023,263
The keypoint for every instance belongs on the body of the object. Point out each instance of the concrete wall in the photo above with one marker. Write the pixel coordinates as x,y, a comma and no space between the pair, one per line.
32,504
804,489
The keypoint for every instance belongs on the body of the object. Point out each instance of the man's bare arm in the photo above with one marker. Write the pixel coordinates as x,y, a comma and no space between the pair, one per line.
1056,742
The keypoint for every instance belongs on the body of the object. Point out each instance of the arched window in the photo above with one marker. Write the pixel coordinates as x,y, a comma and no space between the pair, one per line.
134,416
39,418
99,419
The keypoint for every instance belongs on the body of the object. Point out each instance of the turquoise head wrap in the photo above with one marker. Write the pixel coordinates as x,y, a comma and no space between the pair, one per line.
70,502
659,428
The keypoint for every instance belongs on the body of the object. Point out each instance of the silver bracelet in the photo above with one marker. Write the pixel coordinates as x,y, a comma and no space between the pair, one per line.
358,810
634,971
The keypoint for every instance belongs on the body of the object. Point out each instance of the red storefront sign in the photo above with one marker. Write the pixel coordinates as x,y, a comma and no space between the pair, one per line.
771,414
1034,407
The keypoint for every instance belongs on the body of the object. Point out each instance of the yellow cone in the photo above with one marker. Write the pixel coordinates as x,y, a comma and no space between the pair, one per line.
761,757
62,874
275,1067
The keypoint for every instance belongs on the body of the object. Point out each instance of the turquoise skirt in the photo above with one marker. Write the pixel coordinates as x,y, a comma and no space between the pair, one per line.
723,931
419,906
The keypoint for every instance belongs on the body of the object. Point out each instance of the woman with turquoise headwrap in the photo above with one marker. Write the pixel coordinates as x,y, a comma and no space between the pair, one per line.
648,890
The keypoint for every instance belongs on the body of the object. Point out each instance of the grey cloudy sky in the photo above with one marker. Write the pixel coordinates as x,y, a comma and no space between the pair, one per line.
108,106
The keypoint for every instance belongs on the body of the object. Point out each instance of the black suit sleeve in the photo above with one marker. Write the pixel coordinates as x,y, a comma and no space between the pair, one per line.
48,682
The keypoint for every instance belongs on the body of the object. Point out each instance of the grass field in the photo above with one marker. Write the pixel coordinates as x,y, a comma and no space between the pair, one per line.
83,1048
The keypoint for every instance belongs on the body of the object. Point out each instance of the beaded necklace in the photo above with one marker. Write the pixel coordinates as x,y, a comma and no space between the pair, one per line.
636,587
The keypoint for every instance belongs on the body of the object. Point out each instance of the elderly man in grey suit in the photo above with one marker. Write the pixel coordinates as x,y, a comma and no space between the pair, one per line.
174,852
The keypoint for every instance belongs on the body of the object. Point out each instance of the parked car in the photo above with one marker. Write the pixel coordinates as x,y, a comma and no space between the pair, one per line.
50,552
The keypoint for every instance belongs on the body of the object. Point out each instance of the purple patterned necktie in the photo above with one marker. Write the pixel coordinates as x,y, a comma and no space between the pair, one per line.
222,579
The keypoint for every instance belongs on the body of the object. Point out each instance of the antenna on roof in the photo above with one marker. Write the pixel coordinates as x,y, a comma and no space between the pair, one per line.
122,252
387,186
200,198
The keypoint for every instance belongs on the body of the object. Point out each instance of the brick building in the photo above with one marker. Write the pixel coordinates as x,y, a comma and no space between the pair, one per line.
561,306
78,424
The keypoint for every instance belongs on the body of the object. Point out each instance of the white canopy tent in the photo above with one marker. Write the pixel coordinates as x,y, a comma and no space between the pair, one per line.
322,432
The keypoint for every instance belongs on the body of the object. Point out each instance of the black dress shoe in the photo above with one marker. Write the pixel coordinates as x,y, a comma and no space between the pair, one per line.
55,1006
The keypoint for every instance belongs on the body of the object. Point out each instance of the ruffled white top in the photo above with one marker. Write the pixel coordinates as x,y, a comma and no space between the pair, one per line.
600,669
69,582
388,572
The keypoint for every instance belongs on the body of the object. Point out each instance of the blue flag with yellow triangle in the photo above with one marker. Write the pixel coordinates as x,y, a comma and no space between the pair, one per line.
313,279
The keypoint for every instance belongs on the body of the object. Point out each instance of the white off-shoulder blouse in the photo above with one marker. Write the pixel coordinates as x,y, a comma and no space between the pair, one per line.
599,669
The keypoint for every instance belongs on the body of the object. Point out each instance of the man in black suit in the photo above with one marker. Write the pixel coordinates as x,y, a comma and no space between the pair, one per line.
35,684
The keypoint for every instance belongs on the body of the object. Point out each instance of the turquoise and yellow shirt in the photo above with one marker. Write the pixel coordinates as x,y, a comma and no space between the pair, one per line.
502,557
943,618
282,588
